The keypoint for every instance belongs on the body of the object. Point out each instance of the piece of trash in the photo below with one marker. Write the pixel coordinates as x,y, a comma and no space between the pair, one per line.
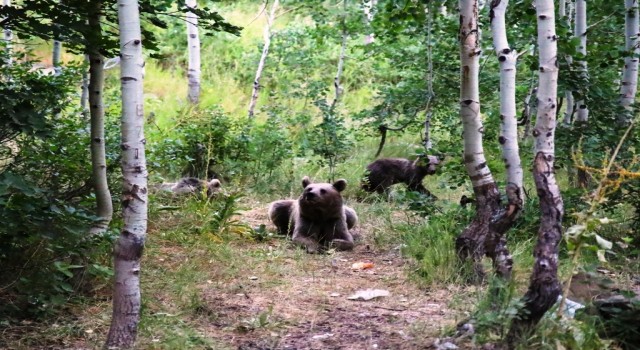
253,278
334,295
361,266
369,294
88,331
322,336
209,281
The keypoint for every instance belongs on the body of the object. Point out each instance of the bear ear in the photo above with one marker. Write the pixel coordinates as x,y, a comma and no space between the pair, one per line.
214,183
305,182
340,185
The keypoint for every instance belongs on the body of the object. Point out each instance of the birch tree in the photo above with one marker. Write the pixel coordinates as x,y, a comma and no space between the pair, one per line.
568,94
369,9
629,82
544,287
129,246
343,48
193,43
470,243
263,58
582,113
104,205
7,33
508,139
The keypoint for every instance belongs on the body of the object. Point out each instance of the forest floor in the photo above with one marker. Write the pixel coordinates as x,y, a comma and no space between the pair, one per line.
204,292
303,303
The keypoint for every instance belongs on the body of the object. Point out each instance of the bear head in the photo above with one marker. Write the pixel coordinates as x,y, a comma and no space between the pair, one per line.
321,200
428,163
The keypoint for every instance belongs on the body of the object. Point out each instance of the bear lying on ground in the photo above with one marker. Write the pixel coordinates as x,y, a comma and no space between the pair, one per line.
385,172
193,185
318,218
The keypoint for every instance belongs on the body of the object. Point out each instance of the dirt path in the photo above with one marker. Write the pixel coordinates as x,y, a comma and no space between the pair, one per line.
292,300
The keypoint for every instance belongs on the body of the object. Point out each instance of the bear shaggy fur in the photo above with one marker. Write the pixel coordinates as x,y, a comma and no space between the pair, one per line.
318,218
195,185
385,172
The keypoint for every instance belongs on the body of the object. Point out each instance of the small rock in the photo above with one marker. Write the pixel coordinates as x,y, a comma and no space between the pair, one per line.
322,336
253,278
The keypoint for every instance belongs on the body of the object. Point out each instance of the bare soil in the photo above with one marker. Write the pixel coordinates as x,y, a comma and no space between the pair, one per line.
304,304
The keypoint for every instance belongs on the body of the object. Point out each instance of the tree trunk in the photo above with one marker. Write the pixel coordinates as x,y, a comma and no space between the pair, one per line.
582,113
193,42
426,140
568,114
544,287
629,84
470,243
343,48
508,140
8,34
104,205
369,9
263,58
57,48
84,97
129,246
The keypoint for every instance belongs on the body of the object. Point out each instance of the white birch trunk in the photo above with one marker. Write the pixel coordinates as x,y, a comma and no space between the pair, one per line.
568,95
509,124
8,34
369,9
474,159
629,82
193,42
343,49
104,205
471,242
84,97
544,287
263,58
55,59
129,246
582,113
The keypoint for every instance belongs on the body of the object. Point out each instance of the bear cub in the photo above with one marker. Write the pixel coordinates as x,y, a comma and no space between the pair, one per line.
385,172
318,218
195,185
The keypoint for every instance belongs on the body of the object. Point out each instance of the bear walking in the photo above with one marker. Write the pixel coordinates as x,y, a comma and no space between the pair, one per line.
318,218
385,172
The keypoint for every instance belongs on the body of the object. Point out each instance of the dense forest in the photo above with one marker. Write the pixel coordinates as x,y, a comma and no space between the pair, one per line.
285,174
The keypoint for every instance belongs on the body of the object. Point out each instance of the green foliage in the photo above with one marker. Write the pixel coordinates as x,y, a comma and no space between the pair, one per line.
29,98
431,244
208,144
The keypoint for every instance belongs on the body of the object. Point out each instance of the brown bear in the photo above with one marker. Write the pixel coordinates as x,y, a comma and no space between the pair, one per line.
194,185
385,172
318,218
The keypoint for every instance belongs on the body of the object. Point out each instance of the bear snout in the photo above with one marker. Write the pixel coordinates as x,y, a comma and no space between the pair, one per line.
308,195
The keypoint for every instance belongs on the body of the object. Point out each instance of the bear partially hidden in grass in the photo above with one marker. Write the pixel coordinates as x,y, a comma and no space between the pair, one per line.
318,219
385,172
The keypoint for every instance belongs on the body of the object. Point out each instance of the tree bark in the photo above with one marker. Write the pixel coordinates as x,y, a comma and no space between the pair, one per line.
104,205
582,113
263,58
84,96
8,34
129,246
343,49
544,287
193,43
471,242
508,139
568,114
629,83
369,9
